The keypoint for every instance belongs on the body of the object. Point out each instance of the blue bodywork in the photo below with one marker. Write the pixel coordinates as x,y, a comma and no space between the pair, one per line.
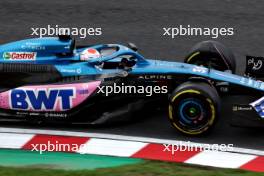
48,48
55,51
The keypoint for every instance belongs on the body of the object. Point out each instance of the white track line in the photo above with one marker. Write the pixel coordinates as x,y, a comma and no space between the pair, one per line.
220,159
111,147
121,137
14,141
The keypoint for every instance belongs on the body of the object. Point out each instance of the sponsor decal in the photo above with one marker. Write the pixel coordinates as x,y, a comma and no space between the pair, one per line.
55,115
255,63
199,69
22,113
224,89
83,91
242,108
78,70
34,114
252,83
155,77
42,99
20,56
33,46
42,115
47,98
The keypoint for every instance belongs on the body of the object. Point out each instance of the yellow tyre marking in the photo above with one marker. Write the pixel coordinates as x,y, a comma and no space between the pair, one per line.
170,112
183,92
190,132
192,56
212,111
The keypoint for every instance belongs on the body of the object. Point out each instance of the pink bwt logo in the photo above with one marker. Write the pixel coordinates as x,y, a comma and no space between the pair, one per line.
47,97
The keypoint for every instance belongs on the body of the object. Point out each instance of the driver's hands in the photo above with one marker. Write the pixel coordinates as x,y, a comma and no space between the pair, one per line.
127,63
124,62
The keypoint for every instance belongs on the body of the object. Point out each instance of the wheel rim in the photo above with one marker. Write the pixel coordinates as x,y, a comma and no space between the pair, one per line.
192,113
190,110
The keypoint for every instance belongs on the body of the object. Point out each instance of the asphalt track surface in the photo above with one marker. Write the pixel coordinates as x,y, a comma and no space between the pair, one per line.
141,22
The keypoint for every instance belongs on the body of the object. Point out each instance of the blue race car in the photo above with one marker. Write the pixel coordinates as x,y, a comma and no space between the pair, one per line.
53,80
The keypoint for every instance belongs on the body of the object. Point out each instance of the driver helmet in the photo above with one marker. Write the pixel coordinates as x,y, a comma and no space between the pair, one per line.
89,54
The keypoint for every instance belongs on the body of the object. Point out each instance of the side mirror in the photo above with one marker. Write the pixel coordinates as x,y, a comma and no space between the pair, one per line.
132,46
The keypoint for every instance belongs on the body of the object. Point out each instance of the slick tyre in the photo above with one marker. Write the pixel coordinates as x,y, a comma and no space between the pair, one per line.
194,108
212,54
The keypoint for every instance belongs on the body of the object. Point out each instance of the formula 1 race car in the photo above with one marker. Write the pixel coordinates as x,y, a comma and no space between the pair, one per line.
51,79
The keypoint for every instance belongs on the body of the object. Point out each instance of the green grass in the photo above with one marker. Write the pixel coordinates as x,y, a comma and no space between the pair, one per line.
147,168
60,160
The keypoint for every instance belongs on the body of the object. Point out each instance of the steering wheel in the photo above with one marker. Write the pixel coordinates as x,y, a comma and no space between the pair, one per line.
128,62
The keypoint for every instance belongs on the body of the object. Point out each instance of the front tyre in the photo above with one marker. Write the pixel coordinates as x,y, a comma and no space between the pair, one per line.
193,108
212,54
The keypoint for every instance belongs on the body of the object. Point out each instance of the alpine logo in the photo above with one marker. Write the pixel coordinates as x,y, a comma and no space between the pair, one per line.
20,55
59,99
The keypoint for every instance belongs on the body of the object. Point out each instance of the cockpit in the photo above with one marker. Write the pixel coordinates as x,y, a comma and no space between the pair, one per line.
104,57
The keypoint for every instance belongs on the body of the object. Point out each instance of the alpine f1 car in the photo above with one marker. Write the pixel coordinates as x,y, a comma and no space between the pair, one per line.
52,79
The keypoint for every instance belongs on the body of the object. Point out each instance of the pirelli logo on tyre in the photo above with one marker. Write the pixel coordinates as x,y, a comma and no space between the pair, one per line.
25,56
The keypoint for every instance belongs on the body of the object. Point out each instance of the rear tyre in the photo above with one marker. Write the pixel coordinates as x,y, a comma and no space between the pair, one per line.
194,108
212,54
